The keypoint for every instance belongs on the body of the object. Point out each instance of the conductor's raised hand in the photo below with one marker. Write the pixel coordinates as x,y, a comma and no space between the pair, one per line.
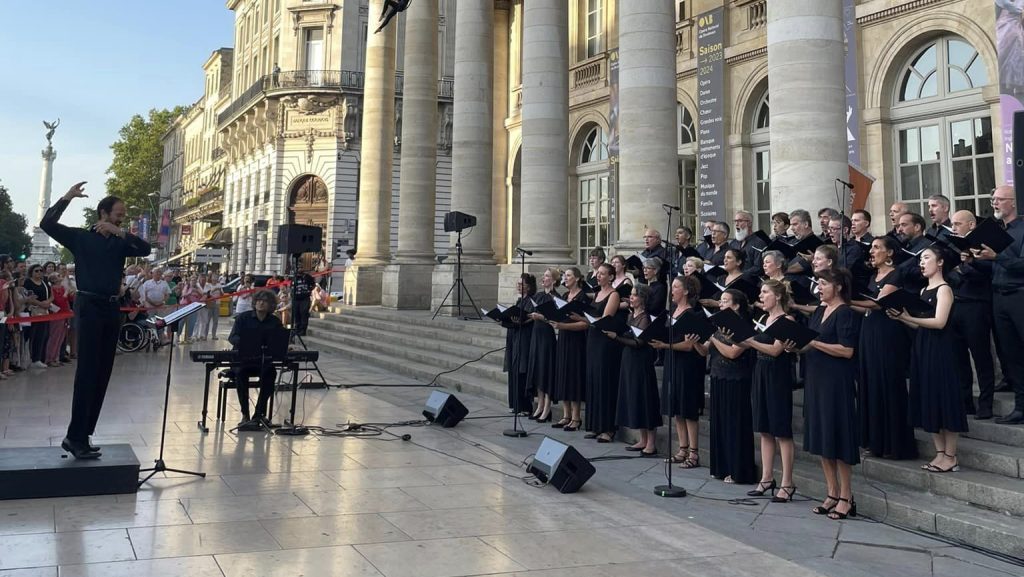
76,191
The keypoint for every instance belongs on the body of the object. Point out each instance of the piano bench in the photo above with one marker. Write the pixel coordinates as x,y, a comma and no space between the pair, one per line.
226,383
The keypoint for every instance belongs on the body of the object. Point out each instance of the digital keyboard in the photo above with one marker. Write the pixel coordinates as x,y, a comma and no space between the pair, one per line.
229,357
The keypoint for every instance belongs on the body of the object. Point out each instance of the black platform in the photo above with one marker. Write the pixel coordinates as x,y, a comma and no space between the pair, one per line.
37,472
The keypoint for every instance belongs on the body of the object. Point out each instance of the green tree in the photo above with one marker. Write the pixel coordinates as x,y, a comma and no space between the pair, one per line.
138,157
14,238
65,255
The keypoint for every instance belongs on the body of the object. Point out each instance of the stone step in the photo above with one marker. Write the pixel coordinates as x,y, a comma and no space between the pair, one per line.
437,344
485,327
393,326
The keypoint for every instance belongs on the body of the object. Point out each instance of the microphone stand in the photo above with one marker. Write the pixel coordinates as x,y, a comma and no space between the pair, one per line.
515,431
669,490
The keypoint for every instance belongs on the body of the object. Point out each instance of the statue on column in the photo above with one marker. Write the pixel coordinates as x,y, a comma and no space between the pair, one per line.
51,128
391,9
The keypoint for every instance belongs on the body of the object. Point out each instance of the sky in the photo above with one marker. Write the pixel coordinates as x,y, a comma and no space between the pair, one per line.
93,65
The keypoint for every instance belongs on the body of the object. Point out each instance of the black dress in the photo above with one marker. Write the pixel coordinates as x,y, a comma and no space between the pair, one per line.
772,395
638,405
571,363
830,411
883,356
935,399
541,366
732,428
684,373
656,299
517,338
603,359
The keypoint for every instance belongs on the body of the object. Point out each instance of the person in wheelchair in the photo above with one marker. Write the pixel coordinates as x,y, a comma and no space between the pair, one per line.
252,323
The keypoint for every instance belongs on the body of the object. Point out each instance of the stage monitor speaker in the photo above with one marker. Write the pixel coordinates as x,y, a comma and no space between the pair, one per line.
561,466
458,221
1018,155
444,409
299,238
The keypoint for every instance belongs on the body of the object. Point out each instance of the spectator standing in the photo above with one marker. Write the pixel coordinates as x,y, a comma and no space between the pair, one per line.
58,329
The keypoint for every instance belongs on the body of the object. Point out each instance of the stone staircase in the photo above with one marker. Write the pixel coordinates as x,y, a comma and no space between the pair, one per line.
982,505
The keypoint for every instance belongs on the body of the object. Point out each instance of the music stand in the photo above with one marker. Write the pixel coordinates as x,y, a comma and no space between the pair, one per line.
170,321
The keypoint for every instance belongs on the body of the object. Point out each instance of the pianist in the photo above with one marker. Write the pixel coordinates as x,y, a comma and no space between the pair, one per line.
251,323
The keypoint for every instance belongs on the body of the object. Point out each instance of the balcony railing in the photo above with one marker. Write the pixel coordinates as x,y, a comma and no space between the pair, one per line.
206,203
590,73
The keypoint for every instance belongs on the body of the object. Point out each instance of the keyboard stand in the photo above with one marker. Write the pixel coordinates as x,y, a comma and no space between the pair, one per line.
210,367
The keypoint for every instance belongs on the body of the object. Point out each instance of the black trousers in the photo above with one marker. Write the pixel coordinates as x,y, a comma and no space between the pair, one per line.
267,378
301,320
98,322
39,334
971,324
1008,323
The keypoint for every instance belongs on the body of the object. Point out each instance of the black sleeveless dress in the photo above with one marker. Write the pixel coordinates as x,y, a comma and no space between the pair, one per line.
772,392
638,406
541,369
685,374
732,427
603,359
936,403
830,408
517,347
883,354
571,363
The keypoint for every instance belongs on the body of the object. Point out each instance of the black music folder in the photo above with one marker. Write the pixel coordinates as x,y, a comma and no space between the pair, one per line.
695,324
810,243
635,262
988,232
558,310
711,270
613,324
687,252
624,290
783,329
657,330
903,299
502,313
731,321
708,288
743,284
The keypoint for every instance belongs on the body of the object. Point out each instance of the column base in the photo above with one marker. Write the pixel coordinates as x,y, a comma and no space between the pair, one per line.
480,280
363,285
407,286
42,250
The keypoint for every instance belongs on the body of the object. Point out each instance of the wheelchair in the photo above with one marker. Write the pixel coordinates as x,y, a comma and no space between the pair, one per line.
138,334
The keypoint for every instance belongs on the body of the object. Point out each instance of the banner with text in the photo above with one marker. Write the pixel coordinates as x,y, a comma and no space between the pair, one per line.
711,115
1010,47
852,100
613,103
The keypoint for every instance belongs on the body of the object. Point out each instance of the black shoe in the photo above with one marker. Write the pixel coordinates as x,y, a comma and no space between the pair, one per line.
1014,418
264,421
983,414
252,425
78,450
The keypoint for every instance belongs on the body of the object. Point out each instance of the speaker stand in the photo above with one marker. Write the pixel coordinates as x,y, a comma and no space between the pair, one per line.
458,286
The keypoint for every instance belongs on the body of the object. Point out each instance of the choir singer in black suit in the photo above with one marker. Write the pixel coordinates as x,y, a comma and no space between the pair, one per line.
100,252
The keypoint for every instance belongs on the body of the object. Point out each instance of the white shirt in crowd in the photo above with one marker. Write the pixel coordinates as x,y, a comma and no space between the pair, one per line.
154,293
243,303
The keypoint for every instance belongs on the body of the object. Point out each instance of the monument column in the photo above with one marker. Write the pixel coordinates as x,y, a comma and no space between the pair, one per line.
42,250
472,157
648,162
407,281
808,118
373,239
544,217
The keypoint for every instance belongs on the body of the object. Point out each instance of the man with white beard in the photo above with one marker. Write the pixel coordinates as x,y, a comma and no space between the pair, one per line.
744,240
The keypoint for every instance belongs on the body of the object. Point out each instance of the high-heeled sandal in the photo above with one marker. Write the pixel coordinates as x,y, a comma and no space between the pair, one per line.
789,491
691,462
560,424
680,456
835,515
954,468
763,487
546,419
928,466
822,509
571,428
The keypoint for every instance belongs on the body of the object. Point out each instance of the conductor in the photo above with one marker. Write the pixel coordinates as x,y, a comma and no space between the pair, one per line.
100,252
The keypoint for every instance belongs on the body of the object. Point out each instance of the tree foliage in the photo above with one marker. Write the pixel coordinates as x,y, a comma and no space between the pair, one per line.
14,239
134,173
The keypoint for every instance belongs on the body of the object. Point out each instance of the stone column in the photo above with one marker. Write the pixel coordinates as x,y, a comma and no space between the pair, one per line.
648,162
373,239
42,250
808,119
407,282
472,162
544,218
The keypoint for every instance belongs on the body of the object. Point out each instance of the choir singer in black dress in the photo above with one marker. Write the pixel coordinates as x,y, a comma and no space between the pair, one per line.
638,406
571,358
935,402
603,359
684,375
830,411
517,346
541,371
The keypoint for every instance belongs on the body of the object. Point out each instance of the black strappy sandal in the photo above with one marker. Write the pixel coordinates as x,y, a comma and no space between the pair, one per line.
822,510
837,516
789,491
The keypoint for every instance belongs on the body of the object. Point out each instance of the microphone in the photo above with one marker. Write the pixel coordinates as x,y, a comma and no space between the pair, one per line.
846,184
669,207
524,251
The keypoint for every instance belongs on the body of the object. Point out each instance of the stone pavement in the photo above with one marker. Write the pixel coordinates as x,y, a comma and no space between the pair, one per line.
445,503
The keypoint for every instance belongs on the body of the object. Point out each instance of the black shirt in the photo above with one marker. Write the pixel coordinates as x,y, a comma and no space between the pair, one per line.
710,254
660,253
753,249
1008,267
248,323
99,260
303,287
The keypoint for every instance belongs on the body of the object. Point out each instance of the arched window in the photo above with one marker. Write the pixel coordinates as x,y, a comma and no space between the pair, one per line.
594,194
686,131
760,142
942,128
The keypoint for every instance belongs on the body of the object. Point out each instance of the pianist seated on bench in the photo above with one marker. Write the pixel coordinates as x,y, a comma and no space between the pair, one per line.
257,325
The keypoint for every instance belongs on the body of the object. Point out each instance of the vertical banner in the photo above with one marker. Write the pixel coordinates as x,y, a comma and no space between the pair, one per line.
1010,49
711,115
852,100
164,234
613,103
144,227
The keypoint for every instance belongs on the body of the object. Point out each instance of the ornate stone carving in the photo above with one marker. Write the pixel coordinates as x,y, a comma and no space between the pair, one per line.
445,128
310,141
309,104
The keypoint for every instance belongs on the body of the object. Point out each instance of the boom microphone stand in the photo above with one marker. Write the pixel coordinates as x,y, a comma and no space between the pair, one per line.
669,490
515,431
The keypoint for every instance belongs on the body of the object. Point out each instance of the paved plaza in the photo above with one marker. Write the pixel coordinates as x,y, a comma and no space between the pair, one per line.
445,503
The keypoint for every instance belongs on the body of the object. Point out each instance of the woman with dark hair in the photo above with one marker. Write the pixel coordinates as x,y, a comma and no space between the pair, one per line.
772,398
883,358
40,298
659,292
683,381
732,428
825,257
733,263
541,364
830,410
604,356
596,258
935,402
621,281
517,346
571,358
638,405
